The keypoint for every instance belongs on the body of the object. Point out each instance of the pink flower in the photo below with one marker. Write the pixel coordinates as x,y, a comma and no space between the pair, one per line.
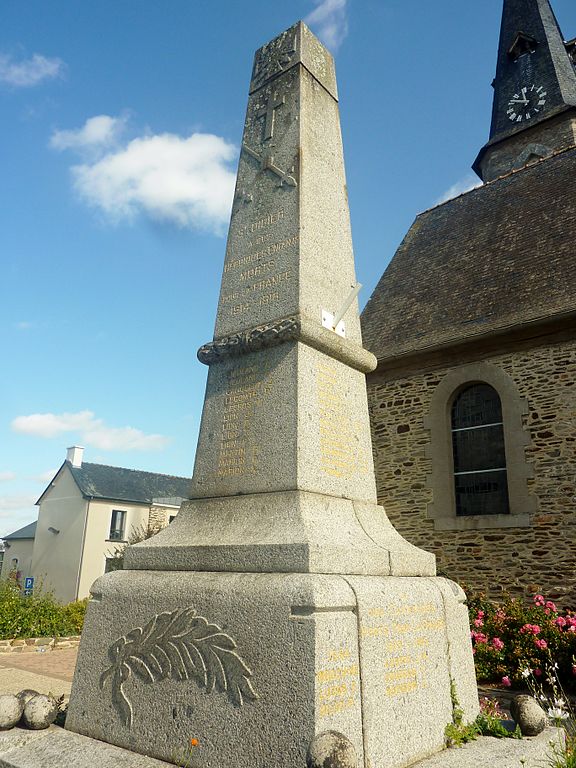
497,644
506,681
481,614
538,672
533,629
551,606
478,623
542,644
560,622
479,637
539,599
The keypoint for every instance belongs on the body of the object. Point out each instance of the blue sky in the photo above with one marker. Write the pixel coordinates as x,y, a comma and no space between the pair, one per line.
121,122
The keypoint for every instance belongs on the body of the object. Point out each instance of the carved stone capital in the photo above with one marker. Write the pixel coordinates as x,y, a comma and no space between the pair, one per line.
268,335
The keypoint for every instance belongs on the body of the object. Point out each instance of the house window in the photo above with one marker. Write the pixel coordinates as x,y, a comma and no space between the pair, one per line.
117,525
480,477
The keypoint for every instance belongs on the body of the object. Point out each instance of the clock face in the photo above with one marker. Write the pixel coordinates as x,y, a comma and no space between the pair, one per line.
526,103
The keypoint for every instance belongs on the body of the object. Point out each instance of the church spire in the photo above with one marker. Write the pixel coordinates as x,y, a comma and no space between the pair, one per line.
534,91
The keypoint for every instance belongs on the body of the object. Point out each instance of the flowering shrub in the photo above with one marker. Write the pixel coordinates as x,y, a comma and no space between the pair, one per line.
510,638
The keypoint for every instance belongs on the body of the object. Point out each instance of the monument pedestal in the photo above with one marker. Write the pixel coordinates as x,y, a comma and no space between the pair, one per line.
285,531
255,665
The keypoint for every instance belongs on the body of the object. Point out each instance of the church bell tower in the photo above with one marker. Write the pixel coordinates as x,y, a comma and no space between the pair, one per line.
534,111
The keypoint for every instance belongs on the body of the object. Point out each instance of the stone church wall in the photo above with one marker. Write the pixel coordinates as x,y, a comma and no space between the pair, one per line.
523,560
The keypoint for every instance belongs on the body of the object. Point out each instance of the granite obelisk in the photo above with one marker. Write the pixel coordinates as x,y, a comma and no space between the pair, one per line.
280,604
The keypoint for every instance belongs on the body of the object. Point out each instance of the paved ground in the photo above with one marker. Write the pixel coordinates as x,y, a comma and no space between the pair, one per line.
49,672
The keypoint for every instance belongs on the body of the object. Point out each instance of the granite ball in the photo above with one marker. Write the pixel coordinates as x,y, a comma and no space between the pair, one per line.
528,714
331,750
10,711
39,712
26,695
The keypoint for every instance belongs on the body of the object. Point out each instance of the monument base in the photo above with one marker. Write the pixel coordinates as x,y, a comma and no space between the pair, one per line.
56,747
285,531
253,666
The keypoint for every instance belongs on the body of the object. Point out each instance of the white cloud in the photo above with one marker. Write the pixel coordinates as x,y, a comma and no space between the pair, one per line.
185,181
97,132
93,431
330,22
29,72
466,184
7,476
23,325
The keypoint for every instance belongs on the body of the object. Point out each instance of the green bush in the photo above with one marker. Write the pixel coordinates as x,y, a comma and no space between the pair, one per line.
38,615
513,640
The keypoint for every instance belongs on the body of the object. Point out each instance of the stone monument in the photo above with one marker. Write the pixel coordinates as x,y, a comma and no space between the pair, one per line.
280,605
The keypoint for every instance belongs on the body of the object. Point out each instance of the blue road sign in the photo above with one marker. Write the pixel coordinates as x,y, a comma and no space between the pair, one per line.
29,583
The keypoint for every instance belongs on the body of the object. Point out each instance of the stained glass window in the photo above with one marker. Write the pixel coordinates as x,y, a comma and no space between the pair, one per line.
480,476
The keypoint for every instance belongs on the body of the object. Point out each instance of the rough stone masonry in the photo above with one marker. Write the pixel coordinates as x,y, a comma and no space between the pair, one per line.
281,604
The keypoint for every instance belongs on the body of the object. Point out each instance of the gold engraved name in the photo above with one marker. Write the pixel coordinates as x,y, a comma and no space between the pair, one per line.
238,452
407,633
341,453
337,686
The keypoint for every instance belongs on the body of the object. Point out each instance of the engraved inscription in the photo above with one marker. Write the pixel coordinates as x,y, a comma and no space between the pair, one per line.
341,452
238,450
177,645
260,224
337,683
259,278
407,633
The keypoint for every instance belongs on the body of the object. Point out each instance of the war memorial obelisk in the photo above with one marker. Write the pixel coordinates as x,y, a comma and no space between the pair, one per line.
280,604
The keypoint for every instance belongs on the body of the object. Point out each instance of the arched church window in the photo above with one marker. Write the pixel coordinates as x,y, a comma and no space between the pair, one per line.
480,476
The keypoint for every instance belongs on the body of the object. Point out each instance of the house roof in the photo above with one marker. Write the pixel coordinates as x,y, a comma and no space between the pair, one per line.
100,481
28,532
494,258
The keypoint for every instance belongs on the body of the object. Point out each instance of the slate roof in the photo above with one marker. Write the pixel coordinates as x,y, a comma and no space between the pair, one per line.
28,532
496,257
549,65
100,481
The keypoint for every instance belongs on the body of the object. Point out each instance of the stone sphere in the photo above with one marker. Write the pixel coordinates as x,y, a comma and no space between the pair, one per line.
528,714
26,695
39,712
10,711
331,750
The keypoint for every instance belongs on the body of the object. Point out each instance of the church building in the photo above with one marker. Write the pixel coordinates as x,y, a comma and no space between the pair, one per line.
473,402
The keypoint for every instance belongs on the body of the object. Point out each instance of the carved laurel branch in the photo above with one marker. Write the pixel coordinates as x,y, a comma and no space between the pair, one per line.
247,341
182,646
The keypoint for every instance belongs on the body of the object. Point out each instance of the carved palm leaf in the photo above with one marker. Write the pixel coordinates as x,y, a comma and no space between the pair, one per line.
178,645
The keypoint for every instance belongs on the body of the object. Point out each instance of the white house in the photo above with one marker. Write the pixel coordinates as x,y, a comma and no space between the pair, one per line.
18,547
84,513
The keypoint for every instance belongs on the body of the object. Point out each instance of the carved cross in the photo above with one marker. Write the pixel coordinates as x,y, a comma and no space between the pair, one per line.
269,113
266,163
